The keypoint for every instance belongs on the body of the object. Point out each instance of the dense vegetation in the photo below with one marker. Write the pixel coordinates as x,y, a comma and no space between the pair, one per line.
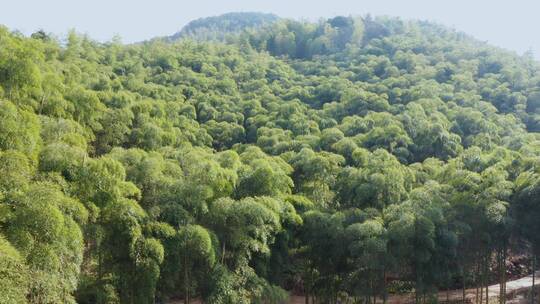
348,157
221,27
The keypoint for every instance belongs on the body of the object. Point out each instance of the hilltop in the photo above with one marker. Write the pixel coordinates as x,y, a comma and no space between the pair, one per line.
218,27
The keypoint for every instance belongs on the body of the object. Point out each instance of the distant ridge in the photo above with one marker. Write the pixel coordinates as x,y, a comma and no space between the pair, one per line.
218,27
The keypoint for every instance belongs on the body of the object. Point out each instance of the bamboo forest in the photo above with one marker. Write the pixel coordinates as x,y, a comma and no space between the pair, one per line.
251,158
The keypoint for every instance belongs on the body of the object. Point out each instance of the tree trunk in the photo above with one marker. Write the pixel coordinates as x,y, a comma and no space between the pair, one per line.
447,284
41,102
475,280
186,281
463,285
370,288
481,293
385,292
416,296
502,275
533,276
223,253
486,275
100,273
504,270
501,283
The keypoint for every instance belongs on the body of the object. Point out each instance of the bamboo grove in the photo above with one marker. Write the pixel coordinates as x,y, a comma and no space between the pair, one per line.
351,157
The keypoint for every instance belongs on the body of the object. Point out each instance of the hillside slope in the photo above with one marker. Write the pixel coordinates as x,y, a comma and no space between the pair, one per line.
353,156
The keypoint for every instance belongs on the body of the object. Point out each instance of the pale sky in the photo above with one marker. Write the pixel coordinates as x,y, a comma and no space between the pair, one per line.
511,24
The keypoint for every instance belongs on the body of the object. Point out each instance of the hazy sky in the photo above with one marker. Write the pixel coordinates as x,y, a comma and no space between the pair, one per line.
512,24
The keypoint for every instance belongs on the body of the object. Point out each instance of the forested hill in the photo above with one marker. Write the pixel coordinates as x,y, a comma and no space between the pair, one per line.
219,27
352,157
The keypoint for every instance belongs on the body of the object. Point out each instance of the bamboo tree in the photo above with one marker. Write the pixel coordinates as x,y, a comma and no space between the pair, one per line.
533,275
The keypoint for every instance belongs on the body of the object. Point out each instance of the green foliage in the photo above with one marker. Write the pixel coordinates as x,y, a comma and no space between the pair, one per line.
253,155
43,226
382,182
14,275
19,129
20,74
218,27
